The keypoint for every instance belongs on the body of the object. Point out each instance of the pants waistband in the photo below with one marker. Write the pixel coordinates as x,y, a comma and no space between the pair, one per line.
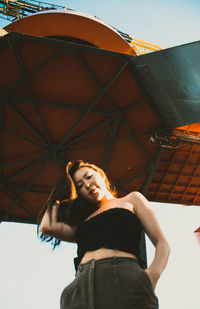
112,260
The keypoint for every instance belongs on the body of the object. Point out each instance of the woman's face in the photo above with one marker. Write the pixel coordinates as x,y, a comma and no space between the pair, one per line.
90,184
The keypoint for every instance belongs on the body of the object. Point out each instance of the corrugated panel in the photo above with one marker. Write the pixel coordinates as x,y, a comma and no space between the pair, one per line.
172,77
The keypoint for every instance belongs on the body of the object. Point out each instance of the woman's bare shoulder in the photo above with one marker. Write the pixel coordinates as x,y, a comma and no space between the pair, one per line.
134,198
128,201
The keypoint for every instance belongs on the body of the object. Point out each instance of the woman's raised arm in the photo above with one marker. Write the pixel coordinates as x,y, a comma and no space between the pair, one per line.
50,226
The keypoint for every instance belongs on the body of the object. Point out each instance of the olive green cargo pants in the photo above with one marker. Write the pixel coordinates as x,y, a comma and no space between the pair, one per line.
110,283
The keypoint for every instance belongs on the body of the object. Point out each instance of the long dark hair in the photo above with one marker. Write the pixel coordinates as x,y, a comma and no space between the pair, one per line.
73,209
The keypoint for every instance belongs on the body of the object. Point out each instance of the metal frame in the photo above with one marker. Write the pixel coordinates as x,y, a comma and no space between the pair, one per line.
151,171
53,152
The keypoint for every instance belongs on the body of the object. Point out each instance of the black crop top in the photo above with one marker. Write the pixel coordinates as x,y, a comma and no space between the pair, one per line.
115,228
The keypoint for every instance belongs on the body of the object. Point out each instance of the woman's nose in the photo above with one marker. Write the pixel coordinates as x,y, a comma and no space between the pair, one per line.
87,184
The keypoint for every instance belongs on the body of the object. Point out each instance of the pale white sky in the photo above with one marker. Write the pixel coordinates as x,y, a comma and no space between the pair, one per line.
31,275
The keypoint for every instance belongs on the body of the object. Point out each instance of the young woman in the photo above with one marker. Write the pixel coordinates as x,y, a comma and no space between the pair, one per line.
83,208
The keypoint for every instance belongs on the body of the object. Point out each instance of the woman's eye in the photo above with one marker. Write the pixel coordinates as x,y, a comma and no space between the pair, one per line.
89,176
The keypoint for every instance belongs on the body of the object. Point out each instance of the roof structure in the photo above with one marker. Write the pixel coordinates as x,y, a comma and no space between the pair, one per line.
64,100
172,78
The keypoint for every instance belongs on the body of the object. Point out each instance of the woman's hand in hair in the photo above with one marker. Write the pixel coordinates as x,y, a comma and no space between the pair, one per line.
50,226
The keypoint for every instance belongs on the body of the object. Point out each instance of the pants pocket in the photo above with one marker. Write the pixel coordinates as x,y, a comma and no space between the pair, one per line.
148,279
148,285
68,294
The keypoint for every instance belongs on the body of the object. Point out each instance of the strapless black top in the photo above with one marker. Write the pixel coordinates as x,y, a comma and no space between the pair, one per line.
115,228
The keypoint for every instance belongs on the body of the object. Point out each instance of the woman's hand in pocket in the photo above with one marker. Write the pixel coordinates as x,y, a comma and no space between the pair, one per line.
153,276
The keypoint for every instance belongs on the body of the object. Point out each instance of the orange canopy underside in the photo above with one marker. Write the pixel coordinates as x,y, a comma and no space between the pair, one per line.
191,129
64,101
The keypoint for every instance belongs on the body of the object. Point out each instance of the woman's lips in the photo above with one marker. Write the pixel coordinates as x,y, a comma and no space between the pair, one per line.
93,190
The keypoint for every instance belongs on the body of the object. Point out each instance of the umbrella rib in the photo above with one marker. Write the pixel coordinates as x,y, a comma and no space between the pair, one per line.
133,105
59,168
97,126
85,65
36,69
148,156
19,204
97,144
21,69
118,115
57,104
25,189
151,171
101,93
21,171
121,188
21,188
100,143
91,74
18,161
26,121
23,137
133,177
110,143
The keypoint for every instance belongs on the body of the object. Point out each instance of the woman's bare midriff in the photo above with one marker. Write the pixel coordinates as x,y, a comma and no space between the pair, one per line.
103,253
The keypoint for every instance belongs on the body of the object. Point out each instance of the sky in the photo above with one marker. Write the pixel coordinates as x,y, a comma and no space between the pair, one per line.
32,276
166,23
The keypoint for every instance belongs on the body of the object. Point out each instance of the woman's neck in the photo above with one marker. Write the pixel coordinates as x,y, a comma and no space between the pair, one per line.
106,199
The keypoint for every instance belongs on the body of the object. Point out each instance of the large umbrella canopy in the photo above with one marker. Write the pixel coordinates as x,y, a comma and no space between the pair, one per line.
63,100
